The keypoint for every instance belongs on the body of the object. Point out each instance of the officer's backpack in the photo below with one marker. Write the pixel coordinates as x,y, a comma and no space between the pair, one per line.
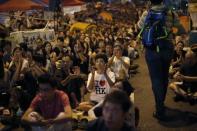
154,29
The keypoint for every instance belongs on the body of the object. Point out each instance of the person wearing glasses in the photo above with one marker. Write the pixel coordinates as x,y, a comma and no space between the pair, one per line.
50,109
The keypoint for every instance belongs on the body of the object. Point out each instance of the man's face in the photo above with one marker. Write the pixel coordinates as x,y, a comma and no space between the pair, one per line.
78,47
117,52
66,41
109,49
48,48
46,90
82,37
177,39
66,62
102,45
29,56
17,54
87,39
113,115
76,70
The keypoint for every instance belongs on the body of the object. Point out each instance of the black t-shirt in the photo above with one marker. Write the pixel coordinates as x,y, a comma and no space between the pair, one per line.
83,65
4,93
189,70
7,58
74,86
99,125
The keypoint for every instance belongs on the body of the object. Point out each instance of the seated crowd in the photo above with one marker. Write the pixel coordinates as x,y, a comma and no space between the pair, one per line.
46,83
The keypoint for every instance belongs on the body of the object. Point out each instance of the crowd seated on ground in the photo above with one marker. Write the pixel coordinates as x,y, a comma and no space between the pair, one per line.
68,59
185,79
108,53
182,71
50,109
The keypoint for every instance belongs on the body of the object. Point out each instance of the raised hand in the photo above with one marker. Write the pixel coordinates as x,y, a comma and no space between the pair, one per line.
93,69
105,69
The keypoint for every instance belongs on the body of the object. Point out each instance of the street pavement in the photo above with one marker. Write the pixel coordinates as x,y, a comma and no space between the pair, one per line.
182,115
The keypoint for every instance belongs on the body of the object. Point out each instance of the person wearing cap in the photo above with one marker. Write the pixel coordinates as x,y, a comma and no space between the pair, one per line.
50,109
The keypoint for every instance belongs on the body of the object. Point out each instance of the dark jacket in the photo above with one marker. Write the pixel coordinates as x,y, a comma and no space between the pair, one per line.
99,125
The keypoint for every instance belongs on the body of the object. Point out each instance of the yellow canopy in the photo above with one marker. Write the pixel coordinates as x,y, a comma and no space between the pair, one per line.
82,26
106,16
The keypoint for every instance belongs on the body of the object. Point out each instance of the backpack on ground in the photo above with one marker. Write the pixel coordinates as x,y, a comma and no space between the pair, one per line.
154,29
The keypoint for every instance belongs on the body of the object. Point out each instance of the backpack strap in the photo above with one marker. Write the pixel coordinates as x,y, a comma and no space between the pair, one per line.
139,36
173,17
165,11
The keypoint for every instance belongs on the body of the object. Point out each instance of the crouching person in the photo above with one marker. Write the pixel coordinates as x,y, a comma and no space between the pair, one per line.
50,110
115,109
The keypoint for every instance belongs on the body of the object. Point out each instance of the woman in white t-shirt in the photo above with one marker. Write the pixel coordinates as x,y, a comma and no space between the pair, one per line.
100,80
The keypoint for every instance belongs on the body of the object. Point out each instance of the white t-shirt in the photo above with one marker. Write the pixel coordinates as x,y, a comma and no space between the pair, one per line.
101,85
118,65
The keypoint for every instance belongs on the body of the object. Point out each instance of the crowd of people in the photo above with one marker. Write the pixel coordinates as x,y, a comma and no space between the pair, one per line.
77,61
44,84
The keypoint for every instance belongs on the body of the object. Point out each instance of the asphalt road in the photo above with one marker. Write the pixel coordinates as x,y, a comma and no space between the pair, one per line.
183,116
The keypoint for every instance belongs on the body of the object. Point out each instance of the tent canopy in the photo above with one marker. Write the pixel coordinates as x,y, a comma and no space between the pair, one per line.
72,2
19,5
42,2
82,26
66,2
106,16
46,1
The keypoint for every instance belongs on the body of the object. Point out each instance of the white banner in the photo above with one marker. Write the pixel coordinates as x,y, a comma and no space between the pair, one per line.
30,36
73,9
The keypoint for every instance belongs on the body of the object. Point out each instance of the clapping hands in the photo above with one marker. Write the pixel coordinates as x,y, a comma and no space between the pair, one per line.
179,77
